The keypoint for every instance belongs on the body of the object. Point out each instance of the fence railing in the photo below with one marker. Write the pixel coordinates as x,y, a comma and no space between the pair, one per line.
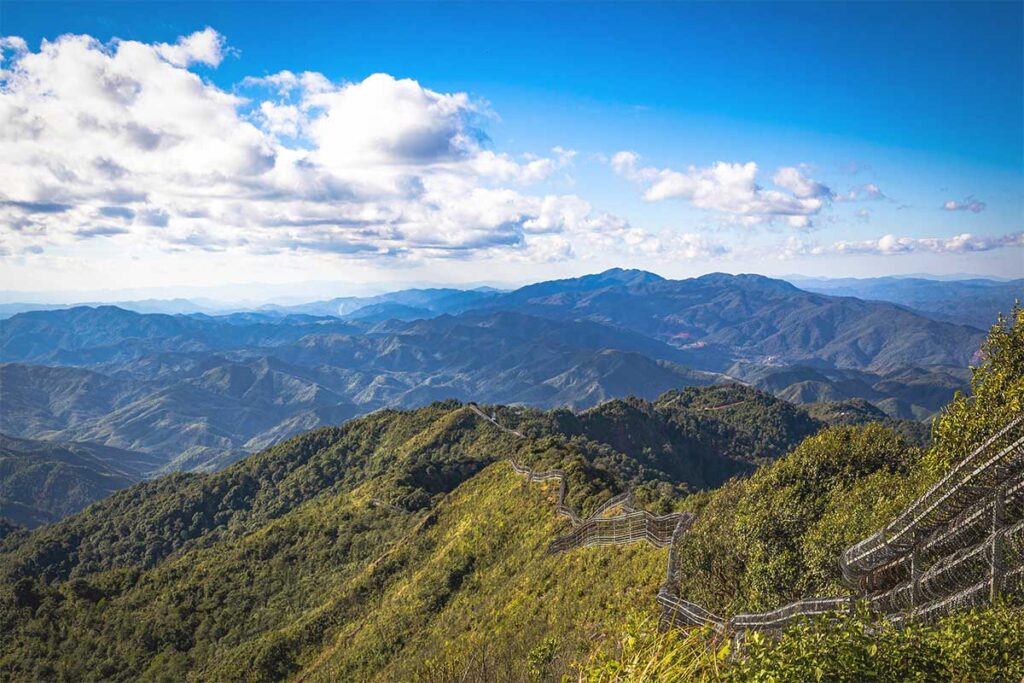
955,545
630,526
958,545
999,458
636,525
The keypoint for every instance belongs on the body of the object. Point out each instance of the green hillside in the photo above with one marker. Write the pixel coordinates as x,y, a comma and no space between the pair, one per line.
697,437
270,560
402,546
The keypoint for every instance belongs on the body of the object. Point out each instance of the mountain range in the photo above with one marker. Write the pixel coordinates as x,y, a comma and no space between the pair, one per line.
198,391
44,481
967,299
401,545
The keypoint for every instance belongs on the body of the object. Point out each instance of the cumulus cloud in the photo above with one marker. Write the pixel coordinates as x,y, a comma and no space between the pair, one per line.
970,204
889,245
202,47
398,122
126,141
730,189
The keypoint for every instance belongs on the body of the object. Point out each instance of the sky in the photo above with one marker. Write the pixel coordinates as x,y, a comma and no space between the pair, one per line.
160,148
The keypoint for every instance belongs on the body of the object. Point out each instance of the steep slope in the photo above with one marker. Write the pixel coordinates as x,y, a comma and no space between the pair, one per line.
225,409
419,454
326,506
373,598
776,536
478,587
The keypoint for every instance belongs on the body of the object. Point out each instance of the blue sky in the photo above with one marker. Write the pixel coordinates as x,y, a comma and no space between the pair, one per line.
907,118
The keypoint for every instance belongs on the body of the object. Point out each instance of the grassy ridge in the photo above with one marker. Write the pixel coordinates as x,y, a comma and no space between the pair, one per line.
483,587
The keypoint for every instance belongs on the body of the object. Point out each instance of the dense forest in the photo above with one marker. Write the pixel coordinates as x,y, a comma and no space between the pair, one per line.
401,546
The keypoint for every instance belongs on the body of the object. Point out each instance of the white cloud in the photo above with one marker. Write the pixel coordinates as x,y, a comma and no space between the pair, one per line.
125,142
13,43
531,170
383,120
970,204
281,119
730,189
694,246
202,47
889,245
865,192
801,186
625,163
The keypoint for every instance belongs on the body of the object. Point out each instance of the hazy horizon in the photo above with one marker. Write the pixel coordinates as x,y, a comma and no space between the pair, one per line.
240,295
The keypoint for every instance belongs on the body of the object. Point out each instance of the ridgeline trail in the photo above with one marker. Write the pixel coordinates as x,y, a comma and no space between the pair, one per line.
959,545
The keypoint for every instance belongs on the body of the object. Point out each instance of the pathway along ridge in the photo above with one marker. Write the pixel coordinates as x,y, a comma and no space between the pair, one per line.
959,545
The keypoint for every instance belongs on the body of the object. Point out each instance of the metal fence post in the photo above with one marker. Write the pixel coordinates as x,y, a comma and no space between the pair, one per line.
915,580
998,560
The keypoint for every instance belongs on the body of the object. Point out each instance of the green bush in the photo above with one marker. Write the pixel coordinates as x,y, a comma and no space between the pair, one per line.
972,647
984,646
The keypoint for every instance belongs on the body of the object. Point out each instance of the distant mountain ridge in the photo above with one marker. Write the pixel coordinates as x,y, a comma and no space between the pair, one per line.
200,391
429,302
723,318
976,302
733,317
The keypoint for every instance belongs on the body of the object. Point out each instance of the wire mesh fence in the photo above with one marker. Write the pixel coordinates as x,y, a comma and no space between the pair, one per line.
636,525
675,611
998,459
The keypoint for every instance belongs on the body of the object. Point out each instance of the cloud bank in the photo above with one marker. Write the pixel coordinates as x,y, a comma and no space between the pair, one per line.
890,245
111,147
126,141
